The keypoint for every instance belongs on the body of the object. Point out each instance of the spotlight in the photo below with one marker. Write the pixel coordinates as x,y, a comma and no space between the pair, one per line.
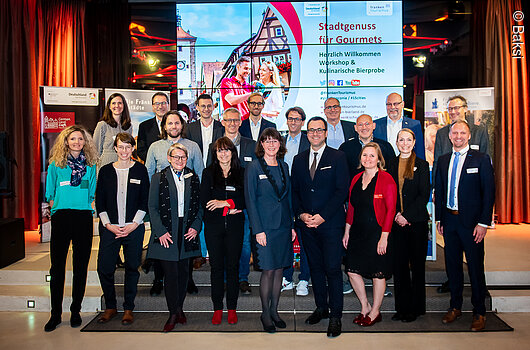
31,304
419,61
48,278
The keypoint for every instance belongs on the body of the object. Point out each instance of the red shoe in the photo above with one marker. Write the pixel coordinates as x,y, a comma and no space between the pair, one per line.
232,317
170,324
359,319
367,322
181,318
217,317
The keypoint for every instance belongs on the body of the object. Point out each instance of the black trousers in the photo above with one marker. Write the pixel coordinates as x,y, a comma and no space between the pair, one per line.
175,283
409,251
324,254
224,248
74,226
109,248
458,240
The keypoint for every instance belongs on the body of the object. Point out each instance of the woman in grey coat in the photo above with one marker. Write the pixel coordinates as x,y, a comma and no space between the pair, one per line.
176,219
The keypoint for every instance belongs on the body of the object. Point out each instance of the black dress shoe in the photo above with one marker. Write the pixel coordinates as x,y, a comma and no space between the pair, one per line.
408,317
398,316
335,327
156,289
444,288
192,288
279,323
269,328
75,319
52,323
317,316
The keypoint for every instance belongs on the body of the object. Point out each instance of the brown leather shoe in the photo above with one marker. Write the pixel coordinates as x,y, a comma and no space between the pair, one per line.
479,322
451,316
107,315
128,318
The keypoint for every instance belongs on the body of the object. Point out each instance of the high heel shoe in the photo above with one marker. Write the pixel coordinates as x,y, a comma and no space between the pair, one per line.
170,323
367,322
232,317
359,319
267,328
217,317
181,318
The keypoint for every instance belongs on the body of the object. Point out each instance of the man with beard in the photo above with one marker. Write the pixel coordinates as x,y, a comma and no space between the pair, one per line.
255,124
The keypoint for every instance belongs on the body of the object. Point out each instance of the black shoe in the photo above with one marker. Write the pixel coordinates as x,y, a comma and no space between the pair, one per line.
269,328
156,289
397,316
244,288
52,323
279,323
335,327
409,317
444,288
75,319
192,288
317,316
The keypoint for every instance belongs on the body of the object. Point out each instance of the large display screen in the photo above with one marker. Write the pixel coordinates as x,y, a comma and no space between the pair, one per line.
300,53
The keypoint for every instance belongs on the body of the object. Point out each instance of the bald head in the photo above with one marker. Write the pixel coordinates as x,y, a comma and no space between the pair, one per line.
365,127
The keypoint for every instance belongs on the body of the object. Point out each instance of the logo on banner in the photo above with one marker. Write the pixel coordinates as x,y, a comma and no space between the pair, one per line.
355,82
57,121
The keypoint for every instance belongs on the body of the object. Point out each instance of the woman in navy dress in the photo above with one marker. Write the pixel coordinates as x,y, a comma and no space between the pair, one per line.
268,200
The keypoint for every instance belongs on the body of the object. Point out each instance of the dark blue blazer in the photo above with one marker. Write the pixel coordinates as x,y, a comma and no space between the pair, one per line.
476,189
247,154
352,148
244,129
304,142
326,193
414,125
147,134
348,129
194,133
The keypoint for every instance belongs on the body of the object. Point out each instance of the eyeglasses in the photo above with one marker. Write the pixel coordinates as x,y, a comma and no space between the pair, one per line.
231,121
205,106
179,158
329,108
271,142
158,104
454,109
289,119
393,104
317,131
256,104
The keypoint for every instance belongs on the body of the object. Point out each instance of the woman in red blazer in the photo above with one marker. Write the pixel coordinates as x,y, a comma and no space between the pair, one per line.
371,211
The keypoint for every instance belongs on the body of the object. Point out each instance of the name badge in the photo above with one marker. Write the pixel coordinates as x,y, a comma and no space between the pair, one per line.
475,147
188,175
378,196
247,159
64,183
326,167
230,188
262,176
135,181
415,168
472,171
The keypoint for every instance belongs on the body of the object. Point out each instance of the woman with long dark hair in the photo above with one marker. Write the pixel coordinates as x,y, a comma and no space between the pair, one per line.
223,199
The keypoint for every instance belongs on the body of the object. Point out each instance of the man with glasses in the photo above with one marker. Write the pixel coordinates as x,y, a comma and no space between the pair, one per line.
339,131
235,90
296,142
245,149
149,130
387,128
320,185
206,130
255,124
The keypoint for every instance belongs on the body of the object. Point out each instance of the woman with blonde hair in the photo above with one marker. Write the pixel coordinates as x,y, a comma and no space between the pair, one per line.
70,189
269,85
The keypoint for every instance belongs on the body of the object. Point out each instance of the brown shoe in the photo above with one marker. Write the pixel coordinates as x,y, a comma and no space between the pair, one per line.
107,315
479,322
451,315
128,318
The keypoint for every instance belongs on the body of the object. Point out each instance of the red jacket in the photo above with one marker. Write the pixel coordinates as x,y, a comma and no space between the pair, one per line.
385,197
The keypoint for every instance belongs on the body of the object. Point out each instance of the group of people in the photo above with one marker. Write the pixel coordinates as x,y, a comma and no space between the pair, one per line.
352,193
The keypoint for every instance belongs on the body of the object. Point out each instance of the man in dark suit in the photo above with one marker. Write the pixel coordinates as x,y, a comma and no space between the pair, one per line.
245,149
255,124
365,130
205,130
387,128
464,198
320,184
149,130
339,131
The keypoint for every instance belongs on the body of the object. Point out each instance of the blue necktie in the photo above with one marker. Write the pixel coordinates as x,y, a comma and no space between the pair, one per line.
453,180
178,174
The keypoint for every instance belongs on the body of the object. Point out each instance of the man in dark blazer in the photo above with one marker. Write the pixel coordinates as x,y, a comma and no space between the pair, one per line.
464,198
255,124
320,184
206,130
339,131
149,130
388,130
365,130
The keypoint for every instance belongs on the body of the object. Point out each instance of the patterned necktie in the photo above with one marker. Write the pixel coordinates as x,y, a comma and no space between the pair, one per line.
313,168
453,180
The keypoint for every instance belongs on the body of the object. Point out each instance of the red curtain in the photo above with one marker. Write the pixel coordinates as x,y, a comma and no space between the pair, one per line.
495,66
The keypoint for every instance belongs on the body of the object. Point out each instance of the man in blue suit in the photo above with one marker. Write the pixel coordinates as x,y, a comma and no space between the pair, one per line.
320,182
255,124
464,198
388,129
